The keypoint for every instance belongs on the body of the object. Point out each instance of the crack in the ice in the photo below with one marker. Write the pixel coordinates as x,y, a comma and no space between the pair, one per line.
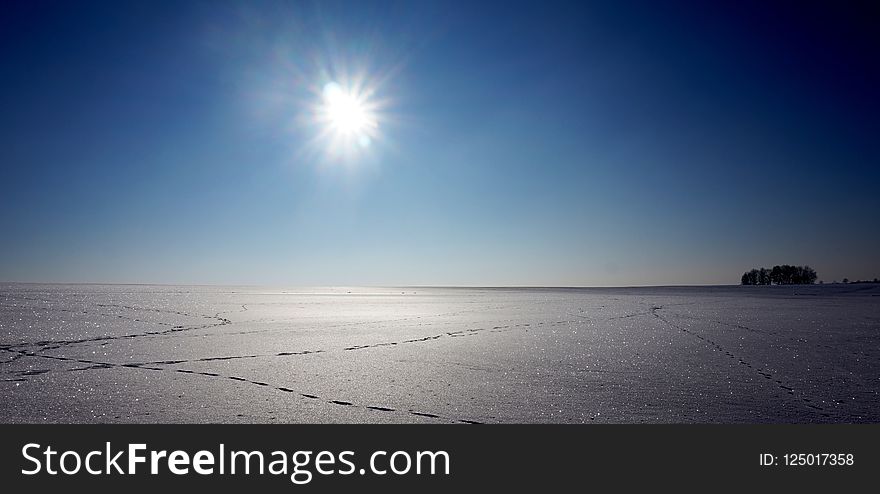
765,374
451,334
340,325
44,345
232,357
728,324
104,365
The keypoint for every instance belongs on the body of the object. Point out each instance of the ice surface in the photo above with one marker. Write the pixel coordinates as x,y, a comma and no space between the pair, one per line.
91,353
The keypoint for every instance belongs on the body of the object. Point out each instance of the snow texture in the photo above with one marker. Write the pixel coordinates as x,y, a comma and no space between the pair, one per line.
182,354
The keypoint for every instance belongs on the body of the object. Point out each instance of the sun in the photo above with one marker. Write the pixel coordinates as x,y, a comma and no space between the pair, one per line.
345,113
348,117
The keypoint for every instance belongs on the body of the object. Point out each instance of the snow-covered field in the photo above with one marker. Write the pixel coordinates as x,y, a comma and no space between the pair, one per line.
91,353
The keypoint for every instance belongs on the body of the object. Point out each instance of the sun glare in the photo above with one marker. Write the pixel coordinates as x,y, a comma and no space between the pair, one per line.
348,118
343,110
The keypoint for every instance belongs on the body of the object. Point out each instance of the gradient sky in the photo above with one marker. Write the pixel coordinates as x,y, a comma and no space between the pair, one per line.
521,143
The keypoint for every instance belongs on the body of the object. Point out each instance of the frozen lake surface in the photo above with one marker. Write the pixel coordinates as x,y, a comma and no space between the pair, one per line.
93,353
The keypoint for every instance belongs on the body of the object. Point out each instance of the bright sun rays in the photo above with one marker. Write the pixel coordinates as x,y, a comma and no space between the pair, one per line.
332,112
348,118
345,112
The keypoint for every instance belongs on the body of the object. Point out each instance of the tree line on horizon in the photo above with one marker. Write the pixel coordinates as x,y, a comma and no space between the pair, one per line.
780,275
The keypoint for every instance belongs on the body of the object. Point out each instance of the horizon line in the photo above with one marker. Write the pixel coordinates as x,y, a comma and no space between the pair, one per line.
427,286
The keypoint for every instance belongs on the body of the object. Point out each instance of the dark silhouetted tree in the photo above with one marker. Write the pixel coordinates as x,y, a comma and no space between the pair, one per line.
788,274
780,275
776,275
808,275
750,277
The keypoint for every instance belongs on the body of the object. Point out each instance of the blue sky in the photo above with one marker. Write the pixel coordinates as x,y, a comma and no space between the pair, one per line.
519,143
